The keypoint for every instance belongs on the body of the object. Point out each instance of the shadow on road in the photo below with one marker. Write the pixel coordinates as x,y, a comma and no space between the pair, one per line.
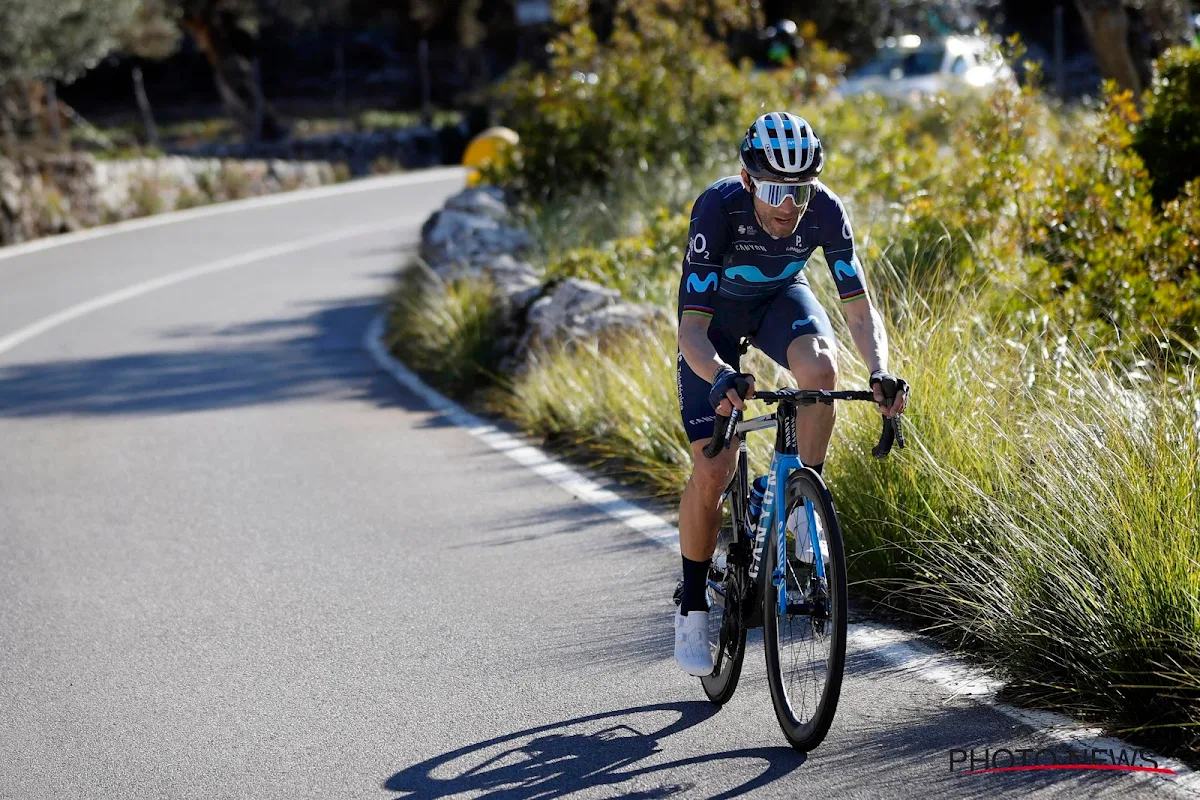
615,749
316,352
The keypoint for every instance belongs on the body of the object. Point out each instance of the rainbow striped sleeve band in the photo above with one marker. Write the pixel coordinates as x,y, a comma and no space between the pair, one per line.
699,311
852,296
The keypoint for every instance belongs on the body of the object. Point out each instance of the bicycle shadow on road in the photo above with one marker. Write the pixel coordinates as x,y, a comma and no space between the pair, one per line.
613,749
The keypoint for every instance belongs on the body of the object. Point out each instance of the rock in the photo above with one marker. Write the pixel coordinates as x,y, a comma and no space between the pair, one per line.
513,277
522,300
582,310
454,239
621,315
561,310
485,200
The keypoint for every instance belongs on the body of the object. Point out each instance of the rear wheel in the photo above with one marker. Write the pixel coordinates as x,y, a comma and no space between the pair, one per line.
806,645
727,582
726,629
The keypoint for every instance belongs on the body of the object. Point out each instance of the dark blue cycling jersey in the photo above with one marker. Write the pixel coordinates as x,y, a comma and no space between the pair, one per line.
752,285
730,256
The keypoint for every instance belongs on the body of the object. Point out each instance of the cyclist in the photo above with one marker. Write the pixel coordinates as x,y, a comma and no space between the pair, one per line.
751,236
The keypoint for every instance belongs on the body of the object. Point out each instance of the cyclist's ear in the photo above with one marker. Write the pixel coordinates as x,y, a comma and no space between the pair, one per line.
746,180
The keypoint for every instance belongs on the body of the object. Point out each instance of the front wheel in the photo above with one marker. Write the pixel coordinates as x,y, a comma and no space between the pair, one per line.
806,644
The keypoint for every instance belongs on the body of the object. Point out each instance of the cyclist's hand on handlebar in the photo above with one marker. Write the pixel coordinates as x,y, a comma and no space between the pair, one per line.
891,393
729,390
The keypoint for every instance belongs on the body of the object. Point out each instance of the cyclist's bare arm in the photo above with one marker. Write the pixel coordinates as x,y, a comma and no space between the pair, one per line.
866,328
870,337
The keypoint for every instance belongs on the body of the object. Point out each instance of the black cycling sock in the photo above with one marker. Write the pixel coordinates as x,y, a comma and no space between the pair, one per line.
816,467
695,585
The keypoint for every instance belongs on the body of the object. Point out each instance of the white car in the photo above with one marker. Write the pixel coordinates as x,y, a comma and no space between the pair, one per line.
906,67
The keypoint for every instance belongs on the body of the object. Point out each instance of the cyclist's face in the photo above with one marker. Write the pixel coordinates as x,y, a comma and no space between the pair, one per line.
777,222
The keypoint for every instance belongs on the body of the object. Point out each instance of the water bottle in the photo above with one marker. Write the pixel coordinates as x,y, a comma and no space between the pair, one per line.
757,490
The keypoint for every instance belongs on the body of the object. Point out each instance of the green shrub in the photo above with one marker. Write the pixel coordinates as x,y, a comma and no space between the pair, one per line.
660,96
1046,513
644,267
452,333
1168,139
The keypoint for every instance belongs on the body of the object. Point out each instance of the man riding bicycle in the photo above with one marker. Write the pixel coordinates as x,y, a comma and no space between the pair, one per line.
750,239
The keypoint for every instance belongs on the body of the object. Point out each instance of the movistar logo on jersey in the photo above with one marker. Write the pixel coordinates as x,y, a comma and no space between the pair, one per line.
800,323
752,274
695,284
843,270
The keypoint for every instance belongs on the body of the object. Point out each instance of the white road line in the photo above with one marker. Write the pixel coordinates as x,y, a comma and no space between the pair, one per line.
23,335
298,196
901,650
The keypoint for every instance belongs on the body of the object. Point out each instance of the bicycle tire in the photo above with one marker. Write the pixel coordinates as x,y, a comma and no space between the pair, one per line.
806,734
731,640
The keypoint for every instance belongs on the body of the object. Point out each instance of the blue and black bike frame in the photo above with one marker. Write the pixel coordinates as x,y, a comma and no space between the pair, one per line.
786,460
772,519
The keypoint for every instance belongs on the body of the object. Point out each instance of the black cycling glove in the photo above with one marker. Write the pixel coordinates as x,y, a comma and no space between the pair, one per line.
889,385
727,378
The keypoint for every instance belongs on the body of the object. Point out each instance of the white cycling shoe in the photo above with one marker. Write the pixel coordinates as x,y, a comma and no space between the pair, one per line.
798,524
693,653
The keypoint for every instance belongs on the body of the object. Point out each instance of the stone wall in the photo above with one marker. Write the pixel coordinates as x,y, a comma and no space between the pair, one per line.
44,195
362,153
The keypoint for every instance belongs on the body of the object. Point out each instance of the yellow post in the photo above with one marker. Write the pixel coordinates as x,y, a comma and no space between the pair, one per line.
491,146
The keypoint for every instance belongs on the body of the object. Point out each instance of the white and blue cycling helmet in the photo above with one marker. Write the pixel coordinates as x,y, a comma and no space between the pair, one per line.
781,148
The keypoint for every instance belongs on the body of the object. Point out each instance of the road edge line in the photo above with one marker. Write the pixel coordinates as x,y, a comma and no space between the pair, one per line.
898,648
431,175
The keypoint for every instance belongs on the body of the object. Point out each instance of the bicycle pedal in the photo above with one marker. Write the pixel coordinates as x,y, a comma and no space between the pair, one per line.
677,598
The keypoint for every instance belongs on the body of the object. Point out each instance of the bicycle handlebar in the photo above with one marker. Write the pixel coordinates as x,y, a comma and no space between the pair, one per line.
724,427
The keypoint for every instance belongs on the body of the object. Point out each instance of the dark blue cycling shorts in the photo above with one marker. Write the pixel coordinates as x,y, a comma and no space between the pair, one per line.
771,324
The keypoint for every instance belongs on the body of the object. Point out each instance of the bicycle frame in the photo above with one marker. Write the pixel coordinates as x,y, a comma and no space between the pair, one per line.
771,519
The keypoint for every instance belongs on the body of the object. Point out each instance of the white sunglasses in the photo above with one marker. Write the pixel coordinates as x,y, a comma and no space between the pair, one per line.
773,194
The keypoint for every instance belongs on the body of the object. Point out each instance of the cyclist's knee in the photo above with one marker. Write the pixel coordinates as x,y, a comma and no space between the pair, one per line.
814,362
710,476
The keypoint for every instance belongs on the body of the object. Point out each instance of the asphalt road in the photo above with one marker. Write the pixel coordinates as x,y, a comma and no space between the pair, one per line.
237,560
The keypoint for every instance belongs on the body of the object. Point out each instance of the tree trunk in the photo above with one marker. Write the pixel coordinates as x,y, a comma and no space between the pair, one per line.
228,50
143,104
1108,31
52,114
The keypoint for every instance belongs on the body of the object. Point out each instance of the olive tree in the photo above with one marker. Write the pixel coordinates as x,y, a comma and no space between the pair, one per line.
44,42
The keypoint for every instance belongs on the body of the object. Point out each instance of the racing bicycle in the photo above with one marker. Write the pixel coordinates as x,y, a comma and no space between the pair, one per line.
783,570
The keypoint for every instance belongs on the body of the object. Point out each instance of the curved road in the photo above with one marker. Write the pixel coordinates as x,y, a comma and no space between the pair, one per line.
237,560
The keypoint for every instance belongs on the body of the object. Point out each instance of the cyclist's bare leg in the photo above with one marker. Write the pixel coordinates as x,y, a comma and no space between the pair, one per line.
813,361
700,506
